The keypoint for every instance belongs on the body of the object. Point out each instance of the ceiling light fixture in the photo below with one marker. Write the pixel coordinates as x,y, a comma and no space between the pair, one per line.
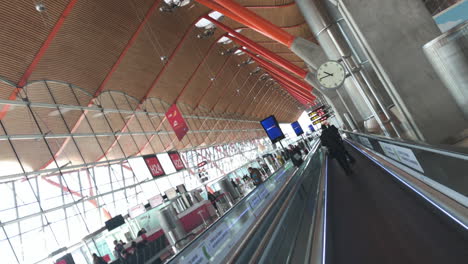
206,33
40,7
171,5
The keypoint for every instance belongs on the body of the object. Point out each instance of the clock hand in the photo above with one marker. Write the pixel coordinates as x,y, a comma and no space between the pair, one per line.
325,77
329,74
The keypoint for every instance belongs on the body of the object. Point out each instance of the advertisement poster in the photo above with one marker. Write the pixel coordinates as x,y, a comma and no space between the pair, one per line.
154,165
177,121
176,160
401,154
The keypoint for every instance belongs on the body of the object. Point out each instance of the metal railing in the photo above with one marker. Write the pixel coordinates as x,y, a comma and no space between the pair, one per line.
226,239
442,167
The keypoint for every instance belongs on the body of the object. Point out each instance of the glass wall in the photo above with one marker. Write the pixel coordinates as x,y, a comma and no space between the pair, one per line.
42,214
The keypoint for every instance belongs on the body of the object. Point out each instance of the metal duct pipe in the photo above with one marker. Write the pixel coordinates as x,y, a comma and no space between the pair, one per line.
336,47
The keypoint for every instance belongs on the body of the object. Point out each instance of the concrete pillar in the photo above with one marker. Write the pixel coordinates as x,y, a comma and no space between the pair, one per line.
331,40
393,34
338,97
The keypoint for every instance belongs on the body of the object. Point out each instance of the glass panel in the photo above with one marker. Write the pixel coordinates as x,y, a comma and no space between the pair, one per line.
7,254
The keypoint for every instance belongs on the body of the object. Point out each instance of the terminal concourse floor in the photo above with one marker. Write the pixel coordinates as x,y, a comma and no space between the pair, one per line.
374,219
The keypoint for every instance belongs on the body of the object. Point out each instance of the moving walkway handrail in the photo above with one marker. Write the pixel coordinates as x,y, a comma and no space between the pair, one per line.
455,152
442,169
274,224
221,238
317,235
241,246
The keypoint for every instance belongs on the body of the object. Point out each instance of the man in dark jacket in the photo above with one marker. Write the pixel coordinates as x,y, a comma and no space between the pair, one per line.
296,155
335,147
336,133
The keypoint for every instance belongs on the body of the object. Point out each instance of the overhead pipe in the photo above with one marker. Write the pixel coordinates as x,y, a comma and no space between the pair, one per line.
243,15
220,8
244,41
266,27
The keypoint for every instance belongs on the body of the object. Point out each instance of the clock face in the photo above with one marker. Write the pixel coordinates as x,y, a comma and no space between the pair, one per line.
331,74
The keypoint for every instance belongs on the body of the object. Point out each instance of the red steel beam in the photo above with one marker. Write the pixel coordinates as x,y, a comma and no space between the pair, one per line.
261,24
220,8
302,87
127,47
291,86
244,41
152,86
132,40
187,83
101,87
42,50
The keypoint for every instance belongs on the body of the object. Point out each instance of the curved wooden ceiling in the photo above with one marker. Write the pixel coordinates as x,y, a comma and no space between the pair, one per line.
101,46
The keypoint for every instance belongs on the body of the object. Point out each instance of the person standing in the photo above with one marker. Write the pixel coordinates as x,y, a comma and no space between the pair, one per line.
336,133
255,175
98,260
335,148
296,155
141,232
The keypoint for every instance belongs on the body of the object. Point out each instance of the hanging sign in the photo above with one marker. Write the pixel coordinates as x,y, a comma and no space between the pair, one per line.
177,121
136,210
176,160
154,165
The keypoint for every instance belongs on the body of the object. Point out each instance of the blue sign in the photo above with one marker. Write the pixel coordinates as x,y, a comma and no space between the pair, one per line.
297,128
272,129
452,16
311,127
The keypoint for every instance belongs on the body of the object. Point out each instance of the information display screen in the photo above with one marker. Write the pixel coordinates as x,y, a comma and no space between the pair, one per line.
272,129
297,128
317,111
312,129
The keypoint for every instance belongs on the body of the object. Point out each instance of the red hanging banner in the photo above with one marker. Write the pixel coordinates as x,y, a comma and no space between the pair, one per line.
176,160
177,121
154,165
